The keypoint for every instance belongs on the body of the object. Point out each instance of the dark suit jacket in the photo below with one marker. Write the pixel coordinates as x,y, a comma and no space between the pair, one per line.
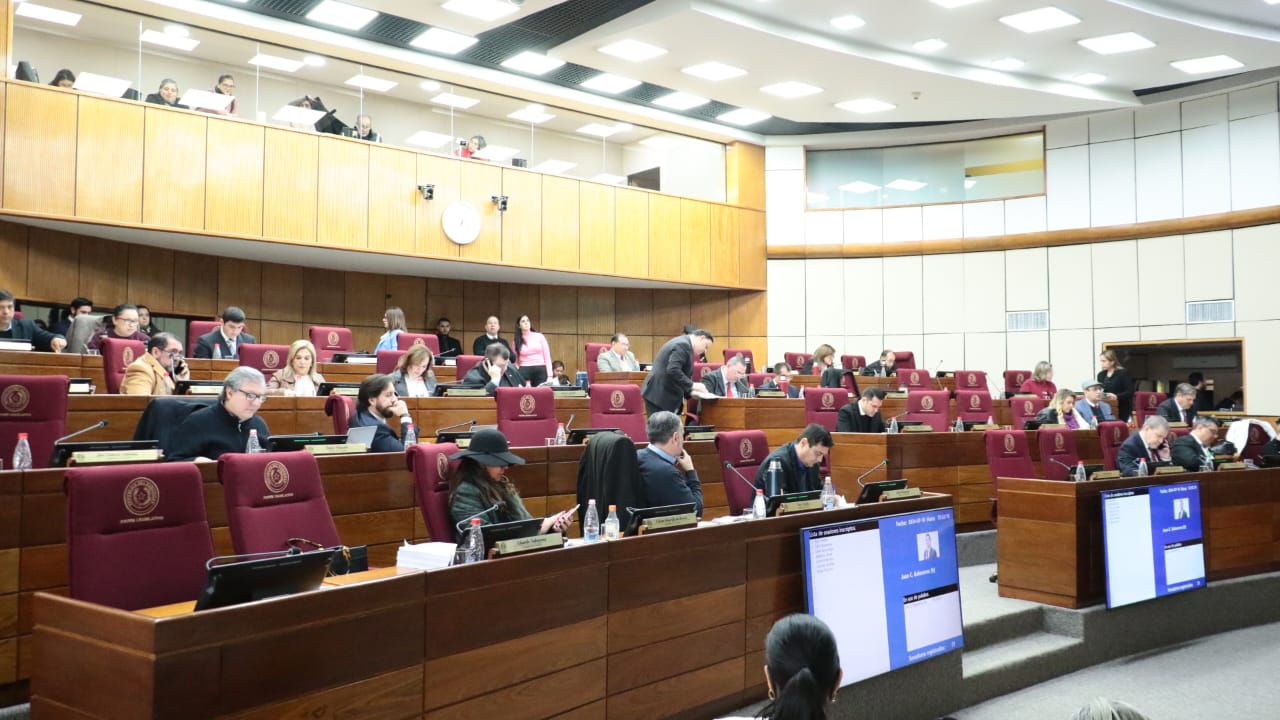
1170,411
665,484
477,376
1119,384
671,378
715,384
479,344
851,419
384,439
205,344
795,477
1130,452
448,343
39,338
1188,452
874,369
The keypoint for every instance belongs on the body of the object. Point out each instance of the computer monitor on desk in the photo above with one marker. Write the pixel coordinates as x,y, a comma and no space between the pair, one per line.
872,491
642,516
197,387
236,582
341,388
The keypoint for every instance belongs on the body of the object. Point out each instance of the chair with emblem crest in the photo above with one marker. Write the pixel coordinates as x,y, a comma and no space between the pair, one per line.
273,497
527,416
796,359
1111,435
822,405
465,363
430,465
973,405
117,353
931,407
1013,380
404,341
1008,454
971,380
329,340
266,359
904,360
592,356
1057,444
744,451
340,408
1023,408
853,362
619,406
700,368
913,379
746,355
1146,404
387,360
1255,441
137,535
35,405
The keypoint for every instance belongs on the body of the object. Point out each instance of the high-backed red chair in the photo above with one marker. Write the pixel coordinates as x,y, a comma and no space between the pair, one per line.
1177,432
266,359
700,368
37,406
1008,454
340,408
430,465
932,407
592,355
1111,435
796,360
1013,380
619,406
744,450
853,362
822,405
915,379
746,355
196,328
387,360
972,380
1023,408
117,353
272,497
904,360
405,340
137,535
973,405
1057,444
329,340
527,416
755,380
1257,439
465,363
1146,403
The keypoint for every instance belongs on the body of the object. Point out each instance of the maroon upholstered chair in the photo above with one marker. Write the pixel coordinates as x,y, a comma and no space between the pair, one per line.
1008,454
755,380
430,465
272,497
1254,443
904,360
1013,380
405,340
196,328
37,406
822,405
329,340
340,408
465,363
619,406
1145,404
137,535
853,362
1111,435
796,360
117,353
266,359
972,380
700,368
1023,408
1057,444
973,405
931,407
745,353
592,355
915,379
744,450
387,360
527,416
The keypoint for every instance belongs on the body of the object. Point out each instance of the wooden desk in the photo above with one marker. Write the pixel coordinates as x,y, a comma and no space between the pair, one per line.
888,384
1049,547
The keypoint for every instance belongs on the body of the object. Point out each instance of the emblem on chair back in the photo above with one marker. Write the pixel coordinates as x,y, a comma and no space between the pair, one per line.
828,401
126,355
1058,442
617,400
419,341
527,404
744,449
270,359
442,466
1151,401
1256,435
1009,444
332,338
1028,408
1115,435
975,402
1019,378
915,378
141,496
926,403
276,477
972,380
15,398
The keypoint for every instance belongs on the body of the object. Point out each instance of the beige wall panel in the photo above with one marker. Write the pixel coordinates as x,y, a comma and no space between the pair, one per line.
275,332
446,176
480,182
365,300
40,150
342,195
151,277
282,292
596,312
290,167
744,175
631,232
102,266
633,308
233,178
410,295
558,310
514,301
324,297
109,160
53,266
670,313
748,314
13,258
172,191
195,290
664,237
751,242
393,199
724,245
597,217
695,241
522,222
239,284
709,310
561,208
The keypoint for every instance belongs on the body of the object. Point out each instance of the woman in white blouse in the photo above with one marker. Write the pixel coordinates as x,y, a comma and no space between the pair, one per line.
298,376
413,376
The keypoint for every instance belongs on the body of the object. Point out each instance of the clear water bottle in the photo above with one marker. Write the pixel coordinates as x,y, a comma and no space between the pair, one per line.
751,391
828,494
990,420
22,453
561,438
1081,475
1207,465
475,542
217,351
880,371
959,427
591,523
253,446
611,529
893,425
758,509
410,435
1142,467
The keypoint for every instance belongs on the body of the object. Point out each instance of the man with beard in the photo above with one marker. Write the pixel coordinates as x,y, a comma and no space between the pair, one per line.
376,403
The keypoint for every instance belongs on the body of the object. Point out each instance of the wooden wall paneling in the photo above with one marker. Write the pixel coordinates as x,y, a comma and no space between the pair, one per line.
522,222
410,295
109,160
453,307
558,310
710,310
6,29
695,241
596,227
725,256
514,301
633,308
173,191
276,332
631,231
670,313
480,300
151,278
596,312
13,258
53,265
393,199
342,194
748,314
646,346
744,175
103,264
40,132
282,288
240,284
751,249
234,177
664,237
366,300
323,297
480,182
290,163
195,289
446,175
561,211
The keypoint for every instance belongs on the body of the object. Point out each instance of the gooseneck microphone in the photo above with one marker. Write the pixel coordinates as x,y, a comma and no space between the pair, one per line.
569,423
744,479
467,424
78,433
466,520
882,463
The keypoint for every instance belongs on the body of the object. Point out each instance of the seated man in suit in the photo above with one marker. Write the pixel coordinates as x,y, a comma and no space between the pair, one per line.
618,358
781,369
495,370
730,380
666,470
799,461
449,346
11,328
1181,407
491,329
224,426
863,414
225,341
376,402
884,367
1090,408
1192,451
158,370
1142,445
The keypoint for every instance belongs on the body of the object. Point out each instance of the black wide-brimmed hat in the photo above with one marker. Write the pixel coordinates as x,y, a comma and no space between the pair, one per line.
489,447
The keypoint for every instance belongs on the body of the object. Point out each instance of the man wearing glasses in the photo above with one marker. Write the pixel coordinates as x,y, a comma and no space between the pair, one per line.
224,426
158,370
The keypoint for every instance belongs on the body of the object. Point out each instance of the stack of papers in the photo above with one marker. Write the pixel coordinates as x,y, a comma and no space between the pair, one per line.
425,556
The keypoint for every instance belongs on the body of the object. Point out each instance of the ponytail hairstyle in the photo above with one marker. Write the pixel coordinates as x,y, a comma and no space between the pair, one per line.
804,668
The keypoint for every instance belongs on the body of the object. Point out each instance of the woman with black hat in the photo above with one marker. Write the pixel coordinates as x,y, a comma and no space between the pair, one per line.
481,483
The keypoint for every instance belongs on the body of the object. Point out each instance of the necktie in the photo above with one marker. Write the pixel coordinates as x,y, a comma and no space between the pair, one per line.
1183,413
730,391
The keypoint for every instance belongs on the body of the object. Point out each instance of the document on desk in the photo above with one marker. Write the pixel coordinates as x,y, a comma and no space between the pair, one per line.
425,556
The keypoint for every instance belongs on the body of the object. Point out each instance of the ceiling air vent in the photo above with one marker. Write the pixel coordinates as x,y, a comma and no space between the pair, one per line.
1211,311
1027,320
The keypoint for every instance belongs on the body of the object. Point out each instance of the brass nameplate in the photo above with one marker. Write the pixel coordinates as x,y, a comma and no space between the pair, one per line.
770,394
347,391
104,457
337,449
1178,425
800,506
917,428
571,393
204,389
986,427
896,395
465,392
671,522
702,436
80,388
1105,475
462,443
1233,466
902,494
1170,469
1052,425
529,544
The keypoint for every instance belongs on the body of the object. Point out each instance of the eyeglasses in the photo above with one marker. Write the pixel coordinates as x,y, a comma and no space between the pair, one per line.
128,321
252,397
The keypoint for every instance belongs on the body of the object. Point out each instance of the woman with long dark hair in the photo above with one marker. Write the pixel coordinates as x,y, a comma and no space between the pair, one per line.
531,352
481,482
802,669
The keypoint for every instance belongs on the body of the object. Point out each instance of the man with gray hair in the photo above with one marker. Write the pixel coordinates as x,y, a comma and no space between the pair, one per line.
224,427
1191,451
363,129
666,470
730,380
1181,407
1142,445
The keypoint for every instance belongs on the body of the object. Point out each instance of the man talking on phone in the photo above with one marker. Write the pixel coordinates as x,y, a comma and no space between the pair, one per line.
494,371
158,370
665,468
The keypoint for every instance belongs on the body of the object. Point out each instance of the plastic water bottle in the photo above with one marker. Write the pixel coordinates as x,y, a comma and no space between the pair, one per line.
1142,467
959,425
475,542
1081,476
561,438
217,351
410,435
828,494
880,371
758,509
611,529
591,523
751,391
22,453
253,446
893,425
990,421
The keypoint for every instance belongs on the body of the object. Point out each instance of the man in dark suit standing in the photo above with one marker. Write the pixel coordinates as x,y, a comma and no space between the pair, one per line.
1142,445
11,328
666,470
863,415
1181,407
730,380
670,379
225,341
1191,451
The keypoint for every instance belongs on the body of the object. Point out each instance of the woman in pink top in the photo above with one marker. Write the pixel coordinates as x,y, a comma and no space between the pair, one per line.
1041,382
532,353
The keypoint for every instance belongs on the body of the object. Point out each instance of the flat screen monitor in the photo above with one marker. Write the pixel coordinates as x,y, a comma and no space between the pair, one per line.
197,387
872,491
772,504
236,582
342,388
443,389
888,587
1152,542
497,532
640,515
579,435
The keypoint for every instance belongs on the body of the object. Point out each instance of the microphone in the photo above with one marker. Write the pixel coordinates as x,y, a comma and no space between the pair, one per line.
934,375
742,477
450,351
570,422
882,463
95,426
466,520
468,423
1070,470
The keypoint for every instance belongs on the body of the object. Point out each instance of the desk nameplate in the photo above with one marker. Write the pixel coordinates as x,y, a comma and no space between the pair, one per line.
669,522
1105,475
109,457
902,494
1170,470
799,506
517,546
338,449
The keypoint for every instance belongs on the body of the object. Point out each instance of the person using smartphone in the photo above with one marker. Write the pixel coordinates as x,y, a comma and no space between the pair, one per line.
494,371
158,370
481,482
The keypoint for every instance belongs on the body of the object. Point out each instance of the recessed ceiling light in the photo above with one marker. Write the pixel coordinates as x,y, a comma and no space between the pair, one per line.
968,184
532,63
954,3
848,22
930,45
496,153
623,127
1006,64
1093,78
658,141
443,41
368,82
633,50
743,116
486,10
680,101
313,60
1214,63
1045,18
177,30
714,71
609,83
176,42
456,101
275,63
609,179
859,187
791,89
48,14
863,106
534,115
429,85
428,139
817,198
331,12
101,84
1118,43
598,130
555,167
908,185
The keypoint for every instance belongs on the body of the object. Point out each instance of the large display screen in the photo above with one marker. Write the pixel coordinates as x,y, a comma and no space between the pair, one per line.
1153,542
889,589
